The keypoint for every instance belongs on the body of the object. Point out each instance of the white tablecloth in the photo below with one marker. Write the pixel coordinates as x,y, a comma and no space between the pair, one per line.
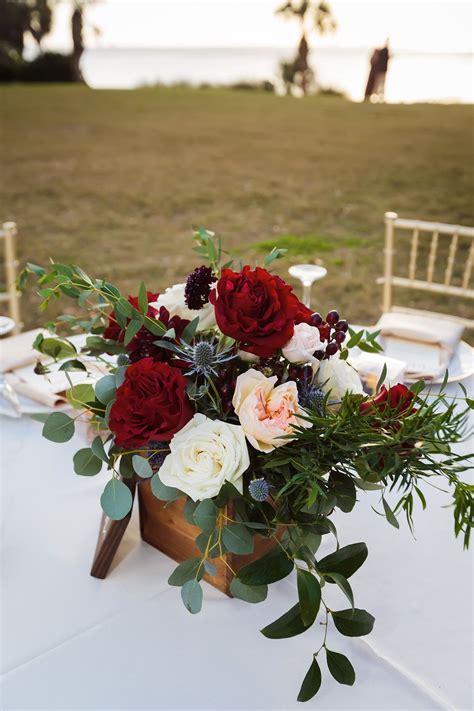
73,642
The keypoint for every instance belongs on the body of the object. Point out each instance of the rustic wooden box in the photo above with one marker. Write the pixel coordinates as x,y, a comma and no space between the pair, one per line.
163,526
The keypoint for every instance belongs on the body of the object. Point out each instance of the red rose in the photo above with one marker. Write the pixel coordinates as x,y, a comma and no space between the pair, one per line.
398,398
114,331
256,308
151,404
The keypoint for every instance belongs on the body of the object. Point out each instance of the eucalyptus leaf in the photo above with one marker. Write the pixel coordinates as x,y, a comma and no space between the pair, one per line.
191,594
343,584
186,571
86,463
116,500
59,427
248,593
237,539
97,447
163,492
105,389
142,466
205,515
81,395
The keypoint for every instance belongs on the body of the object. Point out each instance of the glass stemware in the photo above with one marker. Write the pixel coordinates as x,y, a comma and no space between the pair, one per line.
307,275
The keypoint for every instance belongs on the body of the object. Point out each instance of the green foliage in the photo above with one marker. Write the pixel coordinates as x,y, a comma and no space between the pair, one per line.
249,593
86,463
311,682
309,596
353,623
58,427
142,466
340,667
288,625
116,500
163,492
345,560
191,594
269,568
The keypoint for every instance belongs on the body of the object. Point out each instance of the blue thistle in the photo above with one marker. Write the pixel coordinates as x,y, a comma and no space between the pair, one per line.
204,357
123,359
259,489
310,396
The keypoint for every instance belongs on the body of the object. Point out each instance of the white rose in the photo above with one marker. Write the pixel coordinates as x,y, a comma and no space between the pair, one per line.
268,414
173,300
339,377
203,456
301,346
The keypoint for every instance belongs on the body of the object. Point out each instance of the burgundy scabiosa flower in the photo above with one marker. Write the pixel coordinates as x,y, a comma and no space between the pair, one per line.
198,287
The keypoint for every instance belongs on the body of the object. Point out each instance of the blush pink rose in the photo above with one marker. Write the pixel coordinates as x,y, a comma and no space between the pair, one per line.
267,414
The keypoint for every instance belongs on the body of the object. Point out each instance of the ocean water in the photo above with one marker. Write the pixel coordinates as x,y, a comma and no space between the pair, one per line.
411,76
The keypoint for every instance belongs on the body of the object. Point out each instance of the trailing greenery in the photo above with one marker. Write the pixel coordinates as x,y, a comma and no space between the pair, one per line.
320,470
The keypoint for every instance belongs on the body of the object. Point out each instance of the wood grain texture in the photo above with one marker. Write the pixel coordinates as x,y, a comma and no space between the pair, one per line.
110,534
163,526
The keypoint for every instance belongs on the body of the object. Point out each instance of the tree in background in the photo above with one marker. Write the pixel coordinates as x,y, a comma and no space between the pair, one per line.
20,17
313,16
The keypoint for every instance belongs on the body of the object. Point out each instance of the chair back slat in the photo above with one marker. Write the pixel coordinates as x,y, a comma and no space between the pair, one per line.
413,253
452,254
432,257
468,269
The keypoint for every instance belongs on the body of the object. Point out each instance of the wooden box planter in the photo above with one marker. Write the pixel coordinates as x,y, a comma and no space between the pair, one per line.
163,526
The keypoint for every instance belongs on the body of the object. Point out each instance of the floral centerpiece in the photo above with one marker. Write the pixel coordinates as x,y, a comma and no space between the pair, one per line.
228,392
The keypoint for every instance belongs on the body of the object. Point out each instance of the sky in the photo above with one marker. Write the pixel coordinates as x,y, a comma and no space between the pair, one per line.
422,25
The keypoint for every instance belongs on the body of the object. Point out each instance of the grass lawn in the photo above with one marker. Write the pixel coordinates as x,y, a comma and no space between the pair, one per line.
114,181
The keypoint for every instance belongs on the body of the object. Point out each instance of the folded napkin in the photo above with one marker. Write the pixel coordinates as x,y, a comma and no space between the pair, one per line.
370,367
17,359
17,351
50,389
425,343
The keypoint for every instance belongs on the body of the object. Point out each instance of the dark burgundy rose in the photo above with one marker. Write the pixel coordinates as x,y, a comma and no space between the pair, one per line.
398,398
114,332
150,405
143,344
256,308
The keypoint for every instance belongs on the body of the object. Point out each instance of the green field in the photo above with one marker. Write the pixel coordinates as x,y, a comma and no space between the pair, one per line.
115,180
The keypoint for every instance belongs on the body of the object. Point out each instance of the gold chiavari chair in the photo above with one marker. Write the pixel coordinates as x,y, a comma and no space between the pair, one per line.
8,234
425,270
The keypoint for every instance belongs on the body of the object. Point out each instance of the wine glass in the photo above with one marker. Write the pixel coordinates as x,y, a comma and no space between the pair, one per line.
307,274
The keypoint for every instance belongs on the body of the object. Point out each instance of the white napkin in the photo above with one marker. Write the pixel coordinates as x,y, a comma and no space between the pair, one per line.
370,367
17,351
425,343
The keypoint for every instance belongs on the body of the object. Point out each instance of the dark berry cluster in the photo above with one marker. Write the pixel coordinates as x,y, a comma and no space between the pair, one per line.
270,366
198,287
225,386
333,330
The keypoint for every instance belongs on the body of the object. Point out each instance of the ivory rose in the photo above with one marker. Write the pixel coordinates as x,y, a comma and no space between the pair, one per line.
338,377
301,346
173,300
203,456
267,413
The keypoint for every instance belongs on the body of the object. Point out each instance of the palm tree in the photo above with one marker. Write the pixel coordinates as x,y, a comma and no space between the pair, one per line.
313,15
